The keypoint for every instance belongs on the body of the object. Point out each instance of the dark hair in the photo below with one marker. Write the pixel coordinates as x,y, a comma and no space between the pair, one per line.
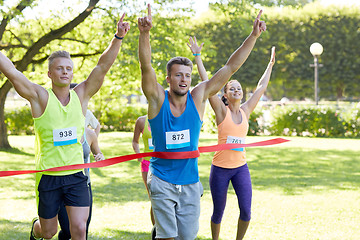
224,90
178,60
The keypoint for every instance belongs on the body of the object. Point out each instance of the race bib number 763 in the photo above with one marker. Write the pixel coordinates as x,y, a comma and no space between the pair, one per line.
231,139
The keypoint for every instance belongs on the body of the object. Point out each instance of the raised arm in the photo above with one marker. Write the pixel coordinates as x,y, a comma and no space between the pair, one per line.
139,128
251,103
216,104
236,60
151,88
34,93
92,84
196,51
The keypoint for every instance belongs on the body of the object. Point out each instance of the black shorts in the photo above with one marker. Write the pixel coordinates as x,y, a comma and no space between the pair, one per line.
72,190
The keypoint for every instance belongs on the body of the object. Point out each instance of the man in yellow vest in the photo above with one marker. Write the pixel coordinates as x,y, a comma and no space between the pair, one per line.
59,116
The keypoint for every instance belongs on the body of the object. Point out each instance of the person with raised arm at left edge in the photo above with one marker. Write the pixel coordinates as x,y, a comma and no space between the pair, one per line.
59,117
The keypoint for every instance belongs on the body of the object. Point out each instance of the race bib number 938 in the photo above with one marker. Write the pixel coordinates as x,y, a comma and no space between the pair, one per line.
64,136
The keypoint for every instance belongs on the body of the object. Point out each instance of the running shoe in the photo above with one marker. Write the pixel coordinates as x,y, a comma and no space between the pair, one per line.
32,237
153,233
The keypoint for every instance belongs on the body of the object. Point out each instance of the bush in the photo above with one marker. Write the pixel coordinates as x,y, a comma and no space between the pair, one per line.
19,121
285,120
254,127
352,121
307,121
209,121
122,118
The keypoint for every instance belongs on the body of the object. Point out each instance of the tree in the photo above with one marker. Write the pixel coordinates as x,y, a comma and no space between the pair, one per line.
30,50
292,31
168,39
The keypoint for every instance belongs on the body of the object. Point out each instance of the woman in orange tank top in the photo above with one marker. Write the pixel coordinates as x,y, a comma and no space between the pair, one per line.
230,165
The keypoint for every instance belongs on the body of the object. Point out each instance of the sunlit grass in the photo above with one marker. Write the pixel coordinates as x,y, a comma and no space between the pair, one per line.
307,188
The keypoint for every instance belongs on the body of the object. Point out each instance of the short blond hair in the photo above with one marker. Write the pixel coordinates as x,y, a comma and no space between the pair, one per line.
57,54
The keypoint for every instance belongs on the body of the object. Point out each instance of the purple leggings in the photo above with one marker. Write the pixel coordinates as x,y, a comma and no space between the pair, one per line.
219,183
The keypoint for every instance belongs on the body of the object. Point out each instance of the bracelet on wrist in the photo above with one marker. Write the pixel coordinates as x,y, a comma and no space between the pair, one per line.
196,54
117,37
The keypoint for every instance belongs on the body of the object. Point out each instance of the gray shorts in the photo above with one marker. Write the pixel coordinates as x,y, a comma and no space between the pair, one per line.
176,208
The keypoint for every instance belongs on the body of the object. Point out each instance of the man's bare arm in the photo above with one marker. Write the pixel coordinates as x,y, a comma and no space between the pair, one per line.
92,84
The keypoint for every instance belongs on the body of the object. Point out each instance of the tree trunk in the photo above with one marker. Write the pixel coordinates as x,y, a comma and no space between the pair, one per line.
339,92
4,142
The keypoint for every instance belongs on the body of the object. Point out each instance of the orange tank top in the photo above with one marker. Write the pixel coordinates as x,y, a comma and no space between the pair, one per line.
230,132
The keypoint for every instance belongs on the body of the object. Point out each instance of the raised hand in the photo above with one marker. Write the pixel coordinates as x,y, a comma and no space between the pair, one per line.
259,26
272,58
194,47
145,23
122,27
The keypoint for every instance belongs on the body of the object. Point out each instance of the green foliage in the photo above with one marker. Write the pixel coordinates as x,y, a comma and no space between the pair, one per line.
291,31
294,3
335,31
352,121
19,121
121,118
209,121
286,120
254,127
124,77
307,121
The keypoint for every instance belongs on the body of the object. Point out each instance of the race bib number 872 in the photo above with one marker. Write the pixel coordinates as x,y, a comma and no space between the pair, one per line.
64,136
178,139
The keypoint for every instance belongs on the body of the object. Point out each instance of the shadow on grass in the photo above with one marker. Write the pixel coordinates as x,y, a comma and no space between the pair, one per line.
119,192
16,151
118,234
16,230
294,170
19,187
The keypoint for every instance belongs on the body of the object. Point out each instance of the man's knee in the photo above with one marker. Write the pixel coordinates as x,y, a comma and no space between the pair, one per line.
78,229
187,235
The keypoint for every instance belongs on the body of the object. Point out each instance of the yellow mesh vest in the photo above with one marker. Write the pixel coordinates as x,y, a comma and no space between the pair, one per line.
146,136
58,120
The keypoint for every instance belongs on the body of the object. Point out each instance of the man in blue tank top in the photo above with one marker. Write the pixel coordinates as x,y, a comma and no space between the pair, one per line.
176,117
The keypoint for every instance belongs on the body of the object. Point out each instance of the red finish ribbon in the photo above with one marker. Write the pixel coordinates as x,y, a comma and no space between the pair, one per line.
166,155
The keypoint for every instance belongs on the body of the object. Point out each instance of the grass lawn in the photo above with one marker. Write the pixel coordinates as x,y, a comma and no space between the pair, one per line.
307,188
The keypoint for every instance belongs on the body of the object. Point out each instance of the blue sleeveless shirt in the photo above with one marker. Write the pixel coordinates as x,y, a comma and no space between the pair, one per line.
176,134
